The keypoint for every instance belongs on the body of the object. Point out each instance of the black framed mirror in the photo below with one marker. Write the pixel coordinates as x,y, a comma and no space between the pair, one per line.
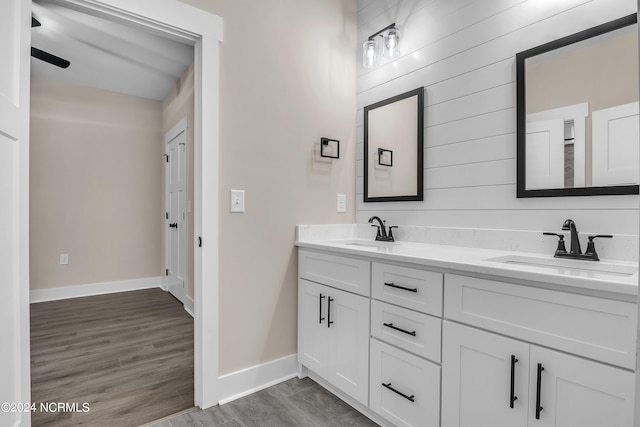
394,148
577,114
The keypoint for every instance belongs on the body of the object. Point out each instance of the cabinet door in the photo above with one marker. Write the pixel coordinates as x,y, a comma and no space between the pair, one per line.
348,343
313,347
333,337
577,392
477,377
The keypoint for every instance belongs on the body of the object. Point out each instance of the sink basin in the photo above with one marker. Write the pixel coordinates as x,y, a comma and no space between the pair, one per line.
569,266
368,244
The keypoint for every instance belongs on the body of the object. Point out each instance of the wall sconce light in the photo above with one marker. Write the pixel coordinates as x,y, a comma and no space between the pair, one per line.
391,46
385,157
329,148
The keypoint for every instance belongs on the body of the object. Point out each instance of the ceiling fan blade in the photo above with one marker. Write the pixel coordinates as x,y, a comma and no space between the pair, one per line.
35,22
51,59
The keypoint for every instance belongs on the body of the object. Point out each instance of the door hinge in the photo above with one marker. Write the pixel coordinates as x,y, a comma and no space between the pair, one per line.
199,241
166,272
166,156
166,215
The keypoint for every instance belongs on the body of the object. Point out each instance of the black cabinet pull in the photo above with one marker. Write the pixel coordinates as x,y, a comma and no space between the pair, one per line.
320,310
392,285
513,397
329,321
410,398
390,325
538,387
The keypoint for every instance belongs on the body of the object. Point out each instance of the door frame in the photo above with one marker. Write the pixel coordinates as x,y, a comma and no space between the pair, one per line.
203,30
180,127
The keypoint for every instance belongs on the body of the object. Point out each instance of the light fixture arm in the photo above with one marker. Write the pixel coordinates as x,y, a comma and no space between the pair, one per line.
379,33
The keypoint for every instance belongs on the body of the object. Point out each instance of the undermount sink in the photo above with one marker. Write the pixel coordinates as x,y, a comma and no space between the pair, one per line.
368,244
569,266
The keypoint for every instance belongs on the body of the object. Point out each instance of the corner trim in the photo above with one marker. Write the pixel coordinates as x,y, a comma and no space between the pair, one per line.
247,381
78,291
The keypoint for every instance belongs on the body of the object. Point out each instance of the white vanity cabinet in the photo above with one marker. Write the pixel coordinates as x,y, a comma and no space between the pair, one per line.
492,380
333,325
409,346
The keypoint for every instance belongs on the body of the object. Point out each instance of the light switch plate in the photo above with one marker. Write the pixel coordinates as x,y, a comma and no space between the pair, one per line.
342,203
237,200
64,259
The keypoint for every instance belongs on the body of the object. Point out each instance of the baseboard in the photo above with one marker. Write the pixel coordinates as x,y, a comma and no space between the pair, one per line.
247,381
78,291
189,305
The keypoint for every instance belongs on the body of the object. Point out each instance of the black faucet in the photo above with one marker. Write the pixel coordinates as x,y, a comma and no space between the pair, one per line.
382,235
574,250
570,225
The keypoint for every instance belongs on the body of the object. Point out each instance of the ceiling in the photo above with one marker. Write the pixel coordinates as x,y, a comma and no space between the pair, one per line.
106,55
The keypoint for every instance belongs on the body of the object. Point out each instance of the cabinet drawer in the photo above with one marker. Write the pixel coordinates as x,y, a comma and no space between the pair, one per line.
409,287
345,273
412,331
592,327
404,388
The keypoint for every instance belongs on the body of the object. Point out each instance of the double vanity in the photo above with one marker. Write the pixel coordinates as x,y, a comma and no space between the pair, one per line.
424,334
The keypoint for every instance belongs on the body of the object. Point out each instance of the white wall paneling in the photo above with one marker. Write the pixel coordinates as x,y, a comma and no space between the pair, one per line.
491,148
463,53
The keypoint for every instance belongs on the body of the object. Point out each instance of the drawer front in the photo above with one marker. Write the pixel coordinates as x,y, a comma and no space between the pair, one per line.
412,331
412,288
592,327
404,389
345,273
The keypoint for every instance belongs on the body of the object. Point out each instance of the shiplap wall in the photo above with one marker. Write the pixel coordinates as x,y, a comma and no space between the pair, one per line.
463,53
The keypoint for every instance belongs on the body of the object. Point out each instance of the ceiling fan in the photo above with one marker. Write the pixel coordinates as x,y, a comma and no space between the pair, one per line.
46,56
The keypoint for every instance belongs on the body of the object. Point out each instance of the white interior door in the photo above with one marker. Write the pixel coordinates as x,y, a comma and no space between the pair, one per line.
615,139
545,154
14,193
176,211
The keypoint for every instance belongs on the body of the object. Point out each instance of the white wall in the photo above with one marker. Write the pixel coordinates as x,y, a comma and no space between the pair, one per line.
463,53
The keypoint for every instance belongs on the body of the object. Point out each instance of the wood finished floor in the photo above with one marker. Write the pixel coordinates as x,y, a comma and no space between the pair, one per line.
293,403
129,355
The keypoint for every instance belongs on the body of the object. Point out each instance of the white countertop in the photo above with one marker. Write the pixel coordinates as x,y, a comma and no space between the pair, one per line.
585,275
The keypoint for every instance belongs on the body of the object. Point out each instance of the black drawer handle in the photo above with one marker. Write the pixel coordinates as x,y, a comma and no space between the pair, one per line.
538,387
320,310
410,398
390,325
329,321
513,397
392,285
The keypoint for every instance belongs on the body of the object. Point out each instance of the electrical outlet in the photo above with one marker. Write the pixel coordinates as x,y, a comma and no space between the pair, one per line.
342,203
64,259
237,200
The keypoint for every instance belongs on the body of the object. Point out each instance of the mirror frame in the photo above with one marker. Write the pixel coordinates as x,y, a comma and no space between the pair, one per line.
521,114
419,145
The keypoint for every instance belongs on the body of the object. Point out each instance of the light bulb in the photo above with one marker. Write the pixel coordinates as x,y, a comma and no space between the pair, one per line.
391,43
369,54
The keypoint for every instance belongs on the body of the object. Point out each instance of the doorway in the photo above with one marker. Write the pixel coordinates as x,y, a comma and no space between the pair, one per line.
204,31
